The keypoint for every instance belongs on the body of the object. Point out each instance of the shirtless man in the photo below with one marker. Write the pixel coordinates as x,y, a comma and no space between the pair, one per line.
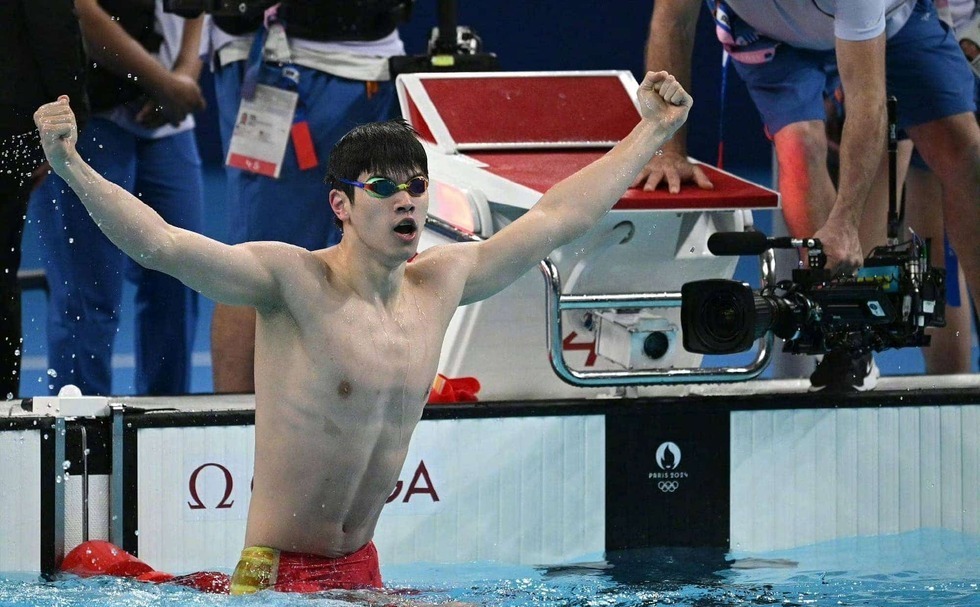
335,409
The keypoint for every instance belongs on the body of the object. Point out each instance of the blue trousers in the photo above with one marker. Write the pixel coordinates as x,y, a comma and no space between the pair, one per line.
86,271
295,208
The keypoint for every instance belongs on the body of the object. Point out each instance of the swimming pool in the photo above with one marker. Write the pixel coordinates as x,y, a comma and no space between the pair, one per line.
925,567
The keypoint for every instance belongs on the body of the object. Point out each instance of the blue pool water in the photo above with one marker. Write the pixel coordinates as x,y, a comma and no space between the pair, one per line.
921,568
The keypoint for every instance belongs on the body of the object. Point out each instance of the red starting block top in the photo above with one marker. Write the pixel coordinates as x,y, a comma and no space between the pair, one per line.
539,170
536,128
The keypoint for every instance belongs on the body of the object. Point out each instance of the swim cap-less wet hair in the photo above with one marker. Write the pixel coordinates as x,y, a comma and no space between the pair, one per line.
390,148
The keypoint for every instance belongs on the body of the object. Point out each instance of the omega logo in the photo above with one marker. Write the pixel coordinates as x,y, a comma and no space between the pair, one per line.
415,486
421,484
197,504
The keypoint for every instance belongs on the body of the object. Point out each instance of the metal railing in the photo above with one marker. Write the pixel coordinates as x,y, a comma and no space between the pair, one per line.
557,303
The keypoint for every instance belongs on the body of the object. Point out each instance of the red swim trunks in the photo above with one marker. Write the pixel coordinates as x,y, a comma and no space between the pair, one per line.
261,568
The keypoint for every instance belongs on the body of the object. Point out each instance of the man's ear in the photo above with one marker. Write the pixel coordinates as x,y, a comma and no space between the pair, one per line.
340,204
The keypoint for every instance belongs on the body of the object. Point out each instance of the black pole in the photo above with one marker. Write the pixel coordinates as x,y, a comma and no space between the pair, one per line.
446,43
893,218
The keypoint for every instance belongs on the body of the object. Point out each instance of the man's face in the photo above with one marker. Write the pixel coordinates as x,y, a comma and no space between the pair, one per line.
391,224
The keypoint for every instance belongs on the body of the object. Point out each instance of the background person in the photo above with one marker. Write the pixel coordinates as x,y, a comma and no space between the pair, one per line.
42,58
951,348
790,55
340,53
143,88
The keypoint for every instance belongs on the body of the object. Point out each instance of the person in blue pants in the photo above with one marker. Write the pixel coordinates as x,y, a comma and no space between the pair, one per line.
42,53
342,80
141,137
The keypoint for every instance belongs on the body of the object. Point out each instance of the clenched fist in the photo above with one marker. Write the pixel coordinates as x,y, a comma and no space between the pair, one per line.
58,130
663,99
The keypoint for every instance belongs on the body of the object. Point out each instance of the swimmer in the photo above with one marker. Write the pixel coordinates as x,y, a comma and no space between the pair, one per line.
348,337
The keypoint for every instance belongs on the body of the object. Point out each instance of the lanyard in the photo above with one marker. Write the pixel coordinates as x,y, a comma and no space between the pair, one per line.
288,79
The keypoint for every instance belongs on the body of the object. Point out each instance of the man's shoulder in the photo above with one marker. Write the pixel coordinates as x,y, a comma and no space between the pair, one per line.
442,266
284,258
438,257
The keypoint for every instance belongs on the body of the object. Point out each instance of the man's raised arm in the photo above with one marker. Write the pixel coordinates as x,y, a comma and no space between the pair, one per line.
228,274
572,206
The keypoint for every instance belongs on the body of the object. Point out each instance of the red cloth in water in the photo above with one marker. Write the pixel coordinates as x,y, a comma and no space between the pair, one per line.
98,557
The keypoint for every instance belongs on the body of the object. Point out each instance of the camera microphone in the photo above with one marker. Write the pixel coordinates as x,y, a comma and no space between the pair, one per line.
754,243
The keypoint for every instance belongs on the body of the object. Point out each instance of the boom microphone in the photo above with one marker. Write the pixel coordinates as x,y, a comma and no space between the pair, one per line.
754,243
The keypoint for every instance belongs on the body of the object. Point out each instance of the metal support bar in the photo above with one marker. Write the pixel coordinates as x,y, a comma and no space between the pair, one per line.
60,456
556,303
85,483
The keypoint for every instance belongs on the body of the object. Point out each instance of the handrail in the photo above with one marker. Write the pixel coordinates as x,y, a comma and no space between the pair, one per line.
556,303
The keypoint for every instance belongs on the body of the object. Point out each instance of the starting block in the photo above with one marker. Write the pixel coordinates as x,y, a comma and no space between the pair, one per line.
495,143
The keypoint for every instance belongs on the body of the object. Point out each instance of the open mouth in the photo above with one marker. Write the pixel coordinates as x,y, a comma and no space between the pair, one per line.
407,227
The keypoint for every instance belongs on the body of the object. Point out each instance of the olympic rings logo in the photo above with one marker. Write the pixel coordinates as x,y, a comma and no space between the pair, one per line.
668,486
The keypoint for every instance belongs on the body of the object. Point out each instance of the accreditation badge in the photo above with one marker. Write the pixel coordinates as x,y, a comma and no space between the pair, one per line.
262,131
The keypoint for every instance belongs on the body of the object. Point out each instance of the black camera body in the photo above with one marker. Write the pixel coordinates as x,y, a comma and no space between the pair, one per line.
887,304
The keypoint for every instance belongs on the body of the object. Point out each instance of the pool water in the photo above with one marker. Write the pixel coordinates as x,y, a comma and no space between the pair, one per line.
920,568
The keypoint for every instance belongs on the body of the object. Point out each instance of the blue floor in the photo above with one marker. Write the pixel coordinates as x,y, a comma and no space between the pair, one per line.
34,379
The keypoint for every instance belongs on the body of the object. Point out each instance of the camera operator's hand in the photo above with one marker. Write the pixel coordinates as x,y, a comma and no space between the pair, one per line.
842,247
671,169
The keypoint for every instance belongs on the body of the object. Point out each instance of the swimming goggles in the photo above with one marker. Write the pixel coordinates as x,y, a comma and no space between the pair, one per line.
382,187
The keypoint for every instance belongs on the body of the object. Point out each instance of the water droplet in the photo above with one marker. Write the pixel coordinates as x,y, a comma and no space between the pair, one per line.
52,373
66,464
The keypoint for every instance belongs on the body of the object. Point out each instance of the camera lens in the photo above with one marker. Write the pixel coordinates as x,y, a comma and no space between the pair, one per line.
718,316
723,316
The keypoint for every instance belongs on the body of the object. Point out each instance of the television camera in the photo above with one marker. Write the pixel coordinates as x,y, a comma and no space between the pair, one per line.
887,304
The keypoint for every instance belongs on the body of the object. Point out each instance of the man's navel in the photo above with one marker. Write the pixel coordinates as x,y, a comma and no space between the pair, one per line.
344,389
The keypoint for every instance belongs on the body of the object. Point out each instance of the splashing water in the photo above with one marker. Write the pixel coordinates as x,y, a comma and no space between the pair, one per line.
928,567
